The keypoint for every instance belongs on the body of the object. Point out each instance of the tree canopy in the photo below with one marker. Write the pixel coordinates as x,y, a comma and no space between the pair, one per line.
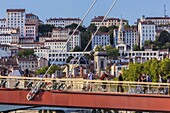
26,53
111,51
52,70
77,49
44,29
152,68
162,41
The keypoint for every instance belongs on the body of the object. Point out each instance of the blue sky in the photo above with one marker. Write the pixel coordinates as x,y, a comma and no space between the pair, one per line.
129,9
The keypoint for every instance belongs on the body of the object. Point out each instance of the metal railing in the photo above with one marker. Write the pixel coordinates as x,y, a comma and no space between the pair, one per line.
84,85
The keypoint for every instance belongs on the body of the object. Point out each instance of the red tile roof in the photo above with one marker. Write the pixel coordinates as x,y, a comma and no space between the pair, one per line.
15,10
55,40
69,19
147,23
3,19
158,18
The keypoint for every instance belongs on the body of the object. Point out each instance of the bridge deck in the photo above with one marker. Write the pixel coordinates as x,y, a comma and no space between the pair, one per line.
15,90
103,100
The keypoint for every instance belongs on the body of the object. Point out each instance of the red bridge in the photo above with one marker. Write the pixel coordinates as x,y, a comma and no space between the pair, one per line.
85,99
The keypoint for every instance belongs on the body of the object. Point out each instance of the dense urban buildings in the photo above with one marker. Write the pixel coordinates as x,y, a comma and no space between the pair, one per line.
19,30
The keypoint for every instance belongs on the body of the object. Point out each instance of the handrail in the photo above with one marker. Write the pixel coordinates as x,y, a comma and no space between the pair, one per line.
82,80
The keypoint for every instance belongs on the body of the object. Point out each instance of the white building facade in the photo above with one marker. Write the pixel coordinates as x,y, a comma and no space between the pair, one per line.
100,39
60,33
130,37
56,45
62,22
75,40
107,22
147,31
7,30
3,22
16,18
157,20
9,38
51,55
30,31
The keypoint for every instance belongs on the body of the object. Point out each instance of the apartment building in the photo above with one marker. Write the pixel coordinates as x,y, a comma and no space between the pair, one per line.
56,45
130,36
64,34
100,39
3,22
8,30
147,31
157,20
107,22
60,33
75,40
9,38
30,63
59,57
62,22
16,18
30,31
33,21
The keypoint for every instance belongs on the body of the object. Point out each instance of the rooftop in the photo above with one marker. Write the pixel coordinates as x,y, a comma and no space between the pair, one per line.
15,10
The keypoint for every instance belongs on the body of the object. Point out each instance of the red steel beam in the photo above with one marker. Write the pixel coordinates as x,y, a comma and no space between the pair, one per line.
121,101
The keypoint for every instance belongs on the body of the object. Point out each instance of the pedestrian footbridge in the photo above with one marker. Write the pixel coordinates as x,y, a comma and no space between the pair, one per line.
79,93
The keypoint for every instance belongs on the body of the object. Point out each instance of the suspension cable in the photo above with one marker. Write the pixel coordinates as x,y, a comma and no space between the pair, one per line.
111,7
34,90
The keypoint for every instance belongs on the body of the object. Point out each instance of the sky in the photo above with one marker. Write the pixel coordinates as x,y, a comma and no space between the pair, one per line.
128,9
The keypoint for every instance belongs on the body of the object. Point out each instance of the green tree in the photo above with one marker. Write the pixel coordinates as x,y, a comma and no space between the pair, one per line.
111,29
69,58
85,38
164,37
76,49
74,26
92,28
26,53
103,29
111,52
98,48
45,29
133,73
136,47
52,70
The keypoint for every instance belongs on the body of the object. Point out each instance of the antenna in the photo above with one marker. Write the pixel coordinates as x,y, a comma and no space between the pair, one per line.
165,10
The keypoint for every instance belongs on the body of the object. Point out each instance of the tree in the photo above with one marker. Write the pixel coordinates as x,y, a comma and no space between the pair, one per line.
111,29
85,38
92,28
164,37
76,49
136,47
98,48
74,26
52,70
148,43
69,58
44,29
103,29
111,52
26,53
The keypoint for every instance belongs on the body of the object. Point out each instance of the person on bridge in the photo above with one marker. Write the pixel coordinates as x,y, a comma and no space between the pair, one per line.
105,76
161,88
120,87
90,76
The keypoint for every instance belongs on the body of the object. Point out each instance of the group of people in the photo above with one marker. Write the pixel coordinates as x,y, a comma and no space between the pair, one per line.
105,77
14,72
